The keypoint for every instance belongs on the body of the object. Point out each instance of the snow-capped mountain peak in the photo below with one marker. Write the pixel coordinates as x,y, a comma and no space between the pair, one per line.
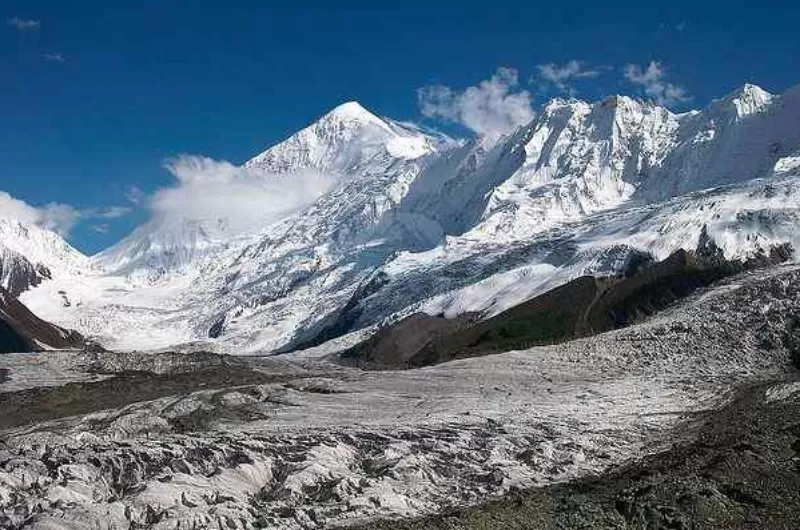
30,254
580,158
162,246
353,111
343,140
745,101
347,143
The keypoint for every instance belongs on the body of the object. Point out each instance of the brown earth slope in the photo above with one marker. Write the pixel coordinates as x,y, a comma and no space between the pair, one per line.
22,331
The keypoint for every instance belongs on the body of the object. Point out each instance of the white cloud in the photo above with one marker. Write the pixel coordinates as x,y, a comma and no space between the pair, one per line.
54,57
241,199
492,108
135,195
561,76
653,83
246,199
60,218
110,212
24,25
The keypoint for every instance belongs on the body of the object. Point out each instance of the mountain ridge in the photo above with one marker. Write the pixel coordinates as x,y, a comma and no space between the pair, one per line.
466,225
30,254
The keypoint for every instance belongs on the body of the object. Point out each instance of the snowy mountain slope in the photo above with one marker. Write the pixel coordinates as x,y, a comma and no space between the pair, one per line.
304,304
448,227
30,254
345,141
583,158
22,331
372,158
743,219
166,246
736,138
578,159
201,264
454,190
376,160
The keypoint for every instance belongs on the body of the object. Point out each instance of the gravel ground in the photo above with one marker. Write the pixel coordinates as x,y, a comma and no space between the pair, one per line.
742,471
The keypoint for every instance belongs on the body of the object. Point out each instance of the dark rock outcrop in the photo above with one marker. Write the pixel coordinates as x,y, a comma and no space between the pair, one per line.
398,344
22,331
18,274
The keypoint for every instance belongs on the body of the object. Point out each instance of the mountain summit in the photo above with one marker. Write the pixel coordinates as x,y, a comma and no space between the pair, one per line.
30,254
345,140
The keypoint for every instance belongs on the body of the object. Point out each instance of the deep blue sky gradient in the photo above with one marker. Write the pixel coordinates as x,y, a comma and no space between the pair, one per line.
149,79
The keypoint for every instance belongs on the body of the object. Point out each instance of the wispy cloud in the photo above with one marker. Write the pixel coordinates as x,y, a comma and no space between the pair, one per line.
24,25
58,217
135,196
562,76
245,199
109,212
204,190
494,107
54,57
653,83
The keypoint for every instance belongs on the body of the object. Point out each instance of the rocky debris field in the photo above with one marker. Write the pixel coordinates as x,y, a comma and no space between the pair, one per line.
624,428
741,471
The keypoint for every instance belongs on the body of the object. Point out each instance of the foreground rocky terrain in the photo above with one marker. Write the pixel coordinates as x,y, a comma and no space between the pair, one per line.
741,472
633,427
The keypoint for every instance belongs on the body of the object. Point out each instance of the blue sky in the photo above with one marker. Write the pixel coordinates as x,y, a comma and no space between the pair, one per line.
96,95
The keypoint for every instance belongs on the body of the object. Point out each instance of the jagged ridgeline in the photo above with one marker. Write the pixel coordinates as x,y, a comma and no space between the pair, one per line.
410,221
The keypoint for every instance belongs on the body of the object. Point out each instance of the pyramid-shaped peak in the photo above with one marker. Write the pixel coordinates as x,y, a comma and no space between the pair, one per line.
750,93
751,90
747,99
352,110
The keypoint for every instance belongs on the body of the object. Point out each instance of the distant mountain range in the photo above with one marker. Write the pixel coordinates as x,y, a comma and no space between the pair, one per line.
417,222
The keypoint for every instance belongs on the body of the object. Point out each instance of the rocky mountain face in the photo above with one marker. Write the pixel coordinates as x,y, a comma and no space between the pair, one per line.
18,274
417,222
22,331
30,254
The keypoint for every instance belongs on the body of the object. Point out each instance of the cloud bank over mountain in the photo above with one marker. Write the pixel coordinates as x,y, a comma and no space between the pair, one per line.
207,189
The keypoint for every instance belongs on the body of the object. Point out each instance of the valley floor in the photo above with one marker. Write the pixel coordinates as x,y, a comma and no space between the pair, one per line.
103,440
742,471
